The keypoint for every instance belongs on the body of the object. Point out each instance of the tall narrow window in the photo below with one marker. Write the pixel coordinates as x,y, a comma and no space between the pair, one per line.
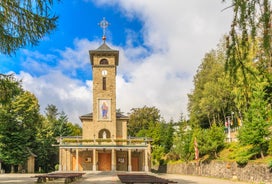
104,83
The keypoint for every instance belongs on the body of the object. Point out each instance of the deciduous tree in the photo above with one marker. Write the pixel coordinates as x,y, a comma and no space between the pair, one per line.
19,117
142,118
212,99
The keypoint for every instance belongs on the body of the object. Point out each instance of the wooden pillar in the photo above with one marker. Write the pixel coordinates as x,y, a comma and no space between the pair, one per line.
65,161
60,159
113,160
146,160
76,159
129,160
68,160
94,159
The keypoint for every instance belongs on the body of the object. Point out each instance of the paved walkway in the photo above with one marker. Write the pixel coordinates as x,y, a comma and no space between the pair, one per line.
111,178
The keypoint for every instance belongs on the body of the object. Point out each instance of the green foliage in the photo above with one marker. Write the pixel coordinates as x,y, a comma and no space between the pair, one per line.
24,23
24,131
162,138
210,141
142,118
241,154
9,88
270,147
47,155
215,140
211,98
270,165
54,124
251,24
145,122
182,142
257,121
249,49
157,154
19,117
183,146
168,137
75,129
249,66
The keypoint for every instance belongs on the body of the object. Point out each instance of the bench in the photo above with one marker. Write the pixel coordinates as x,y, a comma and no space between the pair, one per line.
69,177
142,178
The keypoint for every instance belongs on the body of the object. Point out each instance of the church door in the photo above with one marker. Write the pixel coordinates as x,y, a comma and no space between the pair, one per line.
104,161
135,163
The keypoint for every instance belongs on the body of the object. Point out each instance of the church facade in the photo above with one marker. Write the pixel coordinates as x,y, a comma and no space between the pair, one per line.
104,144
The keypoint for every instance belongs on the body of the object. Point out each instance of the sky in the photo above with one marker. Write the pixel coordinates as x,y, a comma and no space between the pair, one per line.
161,45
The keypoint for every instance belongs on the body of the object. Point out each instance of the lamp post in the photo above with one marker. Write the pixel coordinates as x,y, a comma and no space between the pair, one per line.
228,121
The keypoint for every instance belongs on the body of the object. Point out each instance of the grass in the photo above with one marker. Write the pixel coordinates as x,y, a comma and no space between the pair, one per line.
233,152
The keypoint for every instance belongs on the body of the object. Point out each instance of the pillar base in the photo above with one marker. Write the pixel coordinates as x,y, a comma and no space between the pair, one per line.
60,167
146,168
113,168
94,167
129,168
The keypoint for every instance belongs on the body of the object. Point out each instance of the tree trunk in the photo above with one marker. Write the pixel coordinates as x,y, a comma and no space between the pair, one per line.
262,154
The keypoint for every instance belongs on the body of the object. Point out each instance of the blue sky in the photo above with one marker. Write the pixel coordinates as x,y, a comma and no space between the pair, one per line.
161,44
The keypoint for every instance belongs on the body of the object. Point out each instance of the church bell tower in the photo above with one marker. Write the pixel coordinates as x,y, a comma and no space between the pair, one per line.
104,62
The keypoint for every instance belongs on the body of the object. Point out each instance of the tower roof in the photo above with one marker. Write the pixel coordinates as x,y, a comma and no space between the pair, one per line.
104,50
104,47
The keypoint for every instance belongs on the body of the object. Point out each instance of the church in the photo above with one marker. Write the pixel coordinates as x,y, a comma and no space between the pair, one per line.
104,144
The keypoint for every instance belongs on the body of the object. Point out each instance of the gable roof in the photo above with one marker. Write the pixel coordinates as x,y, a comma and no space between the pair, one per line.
90,116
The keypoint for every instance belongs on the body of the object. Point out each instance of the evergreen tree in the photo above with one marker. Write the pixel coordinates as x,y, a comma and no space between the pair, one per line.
214,142
47,154
24,23
257,121
250,42
182,141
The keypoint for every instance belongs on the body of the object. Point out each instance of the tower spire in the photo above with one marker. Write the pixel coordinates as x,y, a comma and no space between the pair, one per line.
104,24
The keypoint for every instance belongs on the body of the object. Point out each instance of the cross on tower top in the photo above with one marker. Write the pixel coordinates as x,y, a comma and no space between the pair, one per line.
104,24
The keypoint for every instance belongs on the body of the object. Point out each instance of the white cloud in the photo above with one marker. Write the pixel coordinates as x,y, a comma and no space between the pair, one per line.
69,95
177,34
55,80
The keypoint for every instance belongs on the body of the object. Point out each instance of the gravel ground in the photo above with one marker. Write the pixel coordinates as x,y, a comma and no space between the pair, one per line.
111,178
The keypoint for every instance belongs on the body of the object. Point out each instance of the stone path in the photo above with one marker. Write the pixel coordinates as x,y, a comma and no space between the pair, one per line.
111,178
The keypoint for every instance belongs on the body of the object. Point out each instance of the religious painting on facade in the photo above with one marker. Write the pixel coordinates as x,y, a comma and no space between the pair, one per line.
104,109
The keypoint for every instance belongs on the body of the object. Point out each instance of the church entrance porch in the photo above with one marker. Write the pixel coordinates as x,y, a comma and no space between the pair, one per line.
103,159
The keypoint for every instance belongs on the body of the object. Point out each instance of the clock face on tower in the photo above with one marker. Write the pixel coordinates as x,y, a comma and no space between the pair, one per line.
104,73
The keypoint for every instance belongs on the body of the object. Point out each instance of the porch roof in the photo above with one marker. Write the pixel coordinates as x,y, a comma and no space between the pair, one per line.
117,147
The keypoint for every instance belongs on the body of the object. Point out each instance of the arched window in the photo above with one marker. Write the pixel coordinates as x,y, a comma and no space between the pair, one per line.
104,62
104,134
